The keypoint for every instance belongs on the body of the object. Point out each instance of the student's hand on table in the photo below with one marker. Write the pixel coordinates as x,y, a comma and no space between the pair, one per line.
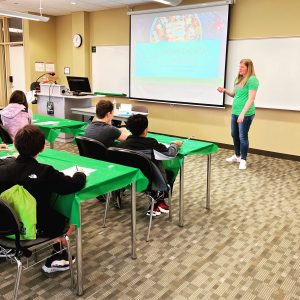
4,147
79,170
178,143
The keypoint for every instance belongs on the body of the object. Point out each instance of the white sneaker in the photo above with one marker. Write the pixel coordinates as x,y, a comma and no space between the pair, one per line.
243,165
233,159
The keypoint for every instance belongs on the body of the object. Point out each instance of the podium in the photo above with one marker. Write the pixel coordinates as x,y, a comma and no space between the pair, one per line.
62,104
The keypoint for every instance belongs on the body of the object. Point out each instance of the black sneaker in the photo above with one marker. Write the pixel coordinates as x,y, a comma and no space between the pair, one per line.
57,263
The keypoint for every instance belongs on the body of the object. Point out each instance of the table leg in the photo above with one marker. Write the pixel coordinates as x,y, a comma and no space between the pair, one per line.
133,220
181,196
79,257
207,205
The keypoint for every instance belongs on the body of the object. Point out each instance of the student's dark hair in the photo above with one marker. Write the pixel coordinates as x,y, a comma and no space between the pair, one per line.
136,124
18,97
29,141
103,107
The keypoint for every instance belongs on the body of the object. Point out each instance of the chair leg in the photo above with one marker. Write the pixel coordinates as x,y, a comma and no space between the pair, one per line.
35,255
108,196
18,277
70,262
170,204
150,220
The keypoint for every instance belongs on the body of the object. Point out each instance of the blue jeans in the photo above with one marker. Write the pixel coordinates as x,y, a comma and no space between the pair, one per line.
239,133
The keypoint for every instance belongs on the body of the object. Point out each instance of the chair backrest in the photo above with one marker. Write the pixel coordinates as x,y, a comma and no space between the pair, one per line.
5,136
140,108
139,160
9,223
91,148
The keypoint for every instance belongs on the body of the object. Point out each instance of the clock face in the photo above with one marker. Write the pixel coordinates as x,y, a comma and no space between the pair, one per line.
77,40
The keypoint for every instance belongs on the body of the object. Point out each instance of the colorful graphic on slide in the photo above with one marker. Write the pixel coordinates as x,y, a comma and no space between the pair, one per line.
175,28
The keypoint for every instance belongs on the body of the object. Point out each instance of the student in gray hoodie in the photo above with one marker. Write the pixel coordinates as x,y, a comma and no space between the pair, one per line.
16,114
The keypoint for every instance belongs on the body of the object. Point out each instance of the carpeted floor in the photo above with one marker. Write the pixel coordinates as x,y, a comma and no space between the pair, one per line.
246,247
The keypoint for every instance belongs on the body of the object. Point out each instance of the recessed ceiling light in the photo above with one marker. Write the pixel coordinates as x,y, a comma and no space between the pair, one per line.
73,3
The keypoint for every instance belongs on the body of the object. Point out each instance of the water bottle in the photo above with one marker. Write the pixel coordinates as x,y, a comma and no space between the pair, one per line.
115,105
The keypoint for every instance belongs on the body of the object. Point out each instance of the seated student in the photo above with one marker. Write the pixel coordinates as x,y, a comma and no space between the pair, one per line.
40,180
101,129
16,114
138,126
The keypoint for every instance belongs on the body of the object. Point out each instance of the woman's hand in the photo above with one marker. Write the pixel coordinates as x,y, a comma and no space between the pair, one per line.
240,118
221,89
226,92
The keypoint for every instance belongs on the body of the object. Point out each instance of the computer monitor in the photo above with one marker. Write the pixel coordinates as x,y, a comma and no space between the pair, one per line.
79,84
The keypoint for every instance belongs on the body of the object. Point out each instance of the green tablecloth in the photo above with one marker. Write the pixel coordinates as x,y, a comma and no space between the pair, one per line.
52,126
107,177
189,147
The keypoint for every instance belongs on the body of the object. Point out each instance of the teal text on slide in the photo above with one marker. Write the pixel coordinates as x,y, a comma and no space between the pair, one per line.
188,59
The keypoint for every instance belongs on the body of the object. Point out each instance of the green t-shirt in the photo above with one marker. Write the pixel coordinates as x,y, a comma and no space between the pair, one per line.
241,97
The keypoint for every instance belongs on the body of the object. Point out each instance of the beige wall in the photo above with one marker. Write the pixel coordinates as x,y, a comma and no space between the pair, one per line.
78,59
40,46
273,130
64,47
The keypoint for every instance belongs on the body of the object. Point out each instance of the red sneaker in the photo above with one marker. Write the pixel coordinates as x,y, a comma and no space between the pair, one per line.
163,207
156,211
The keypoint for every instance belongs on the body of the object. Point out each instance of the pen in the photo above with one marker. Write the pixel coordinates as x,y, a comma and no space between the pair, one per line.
192,136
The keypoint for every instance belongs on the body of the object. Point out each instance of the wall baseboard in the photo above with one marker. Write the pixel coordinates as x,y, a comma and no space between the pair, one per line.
263,152
251,150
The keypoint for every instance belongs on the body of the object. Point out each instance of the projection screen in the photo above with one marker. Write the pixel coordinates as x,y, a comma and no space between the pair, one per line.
179,56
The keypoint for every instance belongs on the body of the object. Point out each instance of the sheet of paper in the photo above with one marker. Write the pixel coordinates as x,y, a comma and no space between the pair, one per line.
15,155
47,123
71,171
160,156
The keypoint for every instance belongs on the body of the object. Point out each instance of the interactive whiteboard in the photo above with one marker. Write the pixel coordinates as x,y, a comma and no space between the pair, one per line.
110,69
276,62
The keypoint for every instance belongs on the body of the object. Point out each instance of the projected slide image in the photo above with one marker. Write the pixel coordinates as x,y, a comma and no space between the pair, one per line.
186,49
175,28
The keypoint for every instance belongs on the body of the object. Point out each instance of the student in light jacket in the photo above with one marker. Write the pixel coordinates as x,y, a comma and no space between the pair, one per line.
16,114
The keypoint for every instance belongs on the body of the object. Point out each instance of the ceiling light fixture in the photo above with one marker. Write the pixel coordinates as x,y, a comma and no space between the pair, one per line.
169,2
17,14
21,15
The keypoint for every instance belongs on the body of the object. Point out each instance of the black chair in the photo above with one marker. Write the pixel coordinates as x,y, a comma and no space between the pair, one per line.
91,148
5,136
15,249
94,149
157,183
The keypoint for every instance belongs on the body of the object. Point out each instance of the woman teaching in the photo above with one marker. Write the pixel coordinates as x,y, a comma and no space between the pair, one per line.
243,110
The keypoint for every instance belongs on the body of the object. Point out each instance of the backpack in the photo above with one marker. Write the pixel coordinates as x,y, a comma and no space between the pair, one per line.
24,205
